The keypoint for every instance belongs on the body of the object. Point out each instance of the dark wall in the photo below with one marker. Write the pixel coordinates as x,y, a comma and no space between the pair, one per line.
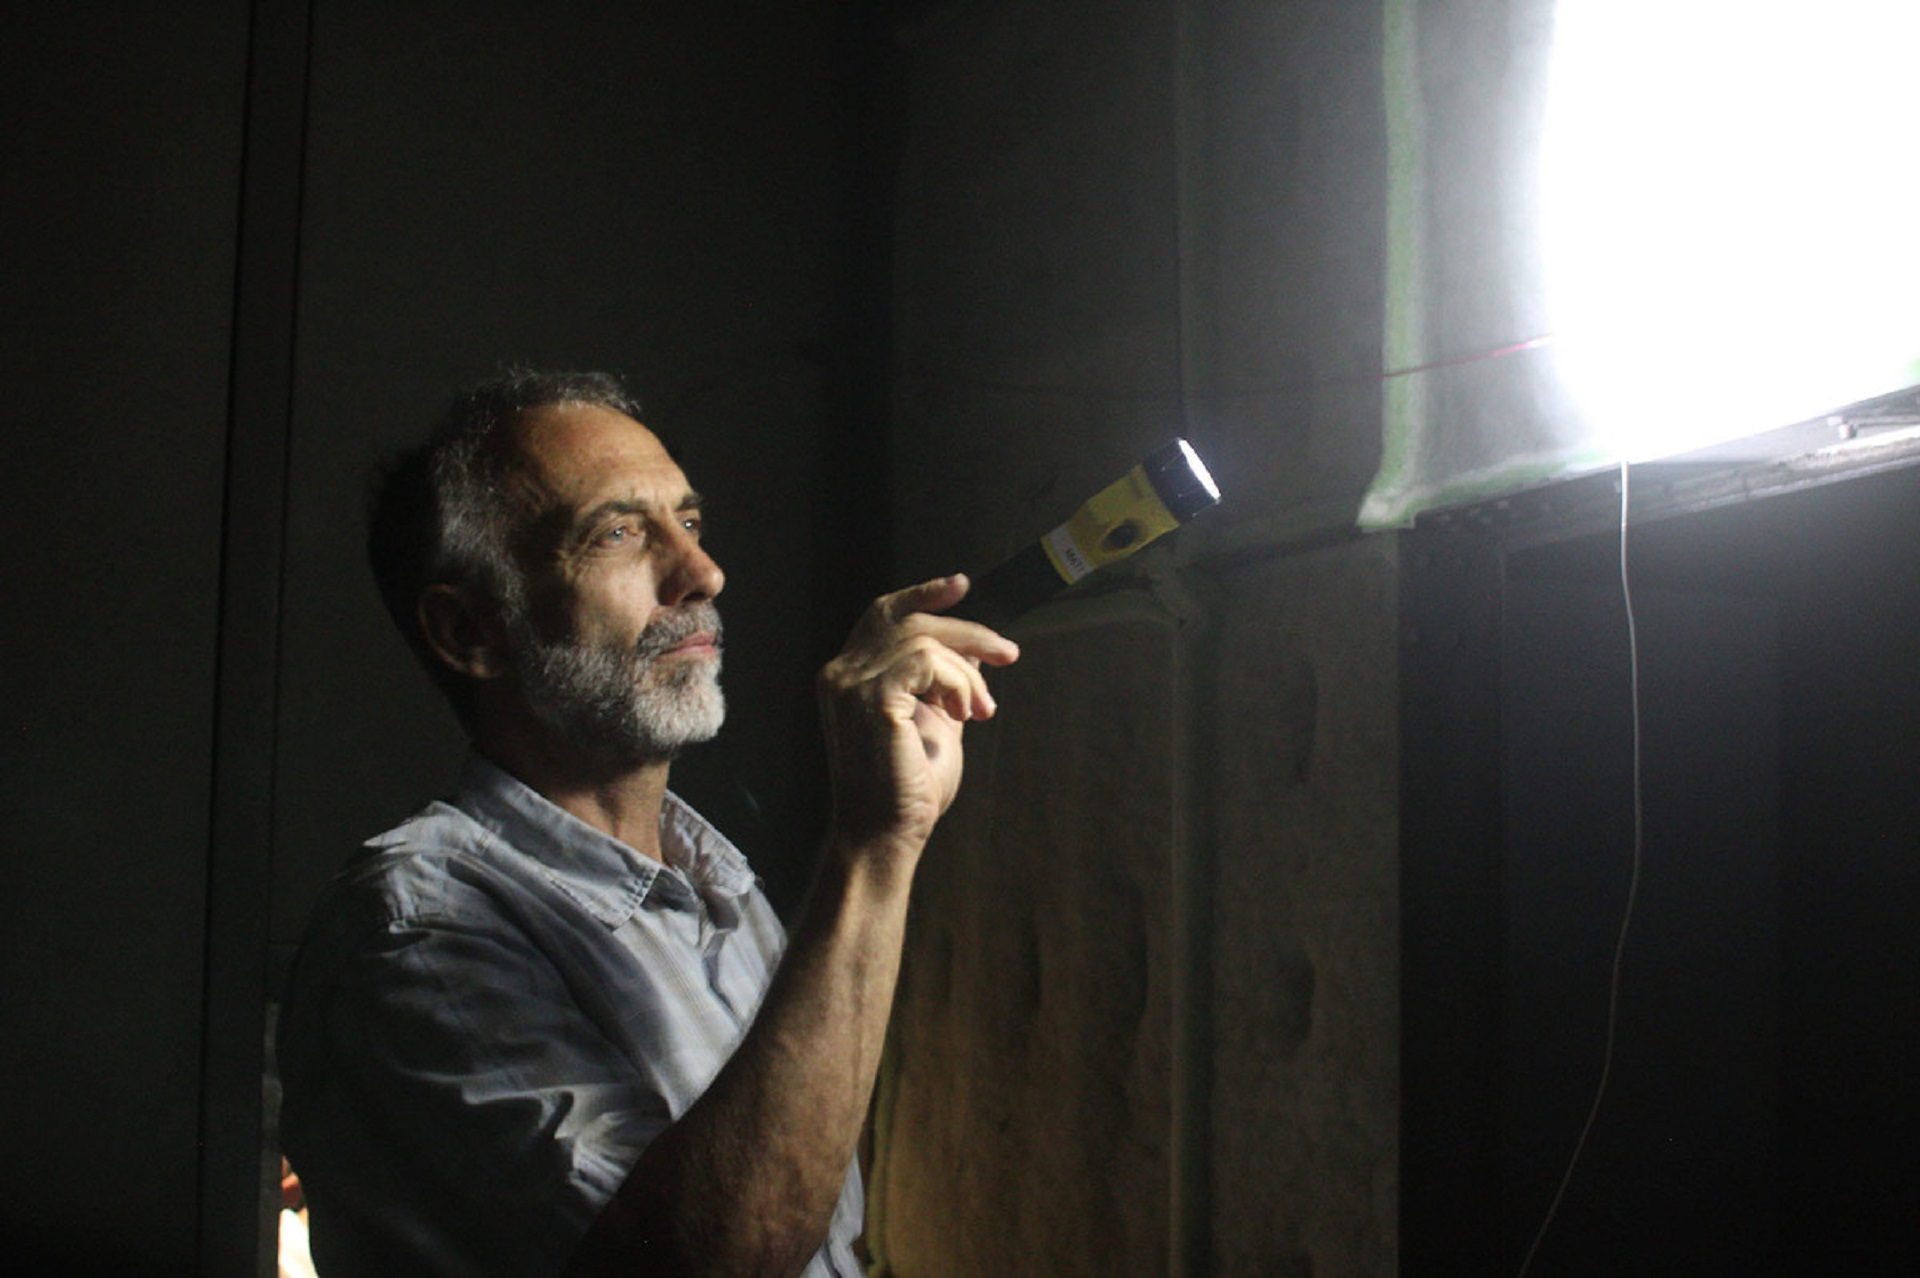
118,233
1759,1098
1688,1139
1850,886
662,191
659,191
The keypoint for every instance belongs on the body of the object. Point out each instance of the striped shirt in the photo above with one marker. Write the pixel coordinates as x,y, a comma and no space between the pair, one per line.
496,1008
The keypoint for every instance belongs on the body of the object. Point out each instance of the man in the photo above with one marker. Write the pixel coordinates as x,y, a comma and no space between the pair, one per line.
538,1028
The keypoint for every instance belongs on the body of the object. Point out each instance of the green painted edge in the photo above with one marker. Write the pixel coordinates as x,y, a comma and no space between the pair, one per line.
1381,512
1403,337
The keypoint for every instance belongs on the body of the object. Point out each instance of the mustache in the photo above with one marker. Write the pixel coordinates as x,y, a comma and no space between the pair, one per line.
676,627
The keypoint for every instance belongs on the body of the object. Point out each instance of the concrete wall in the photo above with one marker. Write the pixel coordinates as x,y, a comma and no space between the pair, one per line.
1149,1017
1024,1123
1305,1016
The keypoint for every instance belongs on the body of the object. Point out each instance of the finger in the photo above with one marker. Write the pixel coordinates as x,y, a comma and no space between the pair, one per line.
914,665
968,638
926,596
933,673
942,680
966,686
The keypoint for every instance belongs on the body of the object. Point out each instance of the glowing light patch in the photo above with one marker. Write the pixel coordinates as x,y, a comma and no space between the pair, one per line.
1199,468
1729,203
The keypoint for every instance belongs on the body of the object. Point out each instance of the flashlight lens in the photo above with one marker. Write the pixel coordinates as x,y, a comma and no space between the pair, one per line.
1200,471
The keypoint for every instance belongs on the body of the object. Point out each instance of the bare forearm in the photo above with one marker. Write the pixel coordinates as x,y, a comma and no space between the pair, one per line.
745,1182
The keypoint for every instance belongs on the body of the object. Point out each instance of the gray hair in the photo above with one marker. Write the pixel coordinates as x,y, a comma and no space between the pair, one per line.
440,513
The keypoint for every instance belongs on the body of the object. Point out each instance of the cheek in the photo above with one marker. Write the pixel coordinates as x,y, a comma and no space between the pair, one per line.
551,613
613,610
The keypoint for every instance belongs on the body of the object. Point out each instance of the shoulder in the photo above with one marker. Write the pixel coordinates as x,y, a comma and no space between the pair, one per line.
438,863
440,873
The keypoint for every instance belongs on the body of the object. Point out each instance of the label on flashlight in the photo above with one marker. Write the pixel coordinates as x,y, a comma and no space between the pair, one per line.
1114,523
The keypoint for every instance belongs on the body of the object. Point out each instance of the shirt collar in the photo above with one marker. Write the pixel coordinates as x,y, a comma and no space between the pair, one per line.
606,876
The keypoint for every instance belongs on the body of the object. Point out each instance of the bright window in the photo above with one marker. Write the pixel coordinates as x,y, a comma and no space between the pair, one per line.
1732,212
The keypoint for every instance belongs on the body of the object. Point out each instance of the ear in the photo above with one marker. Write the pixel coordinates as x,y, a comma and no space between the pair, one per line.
461,633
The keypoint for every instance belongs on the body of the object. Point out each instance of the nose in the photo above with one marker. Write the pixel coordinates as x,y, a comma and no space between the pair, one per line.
692,576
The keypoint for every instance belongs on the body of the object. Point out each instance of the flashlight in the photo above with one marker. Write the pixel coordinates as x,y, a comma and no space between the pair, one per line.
1163,492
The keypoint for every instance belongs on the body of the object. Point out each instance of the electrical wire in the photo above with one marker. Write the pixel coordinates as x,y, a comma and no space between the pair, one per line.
1633,888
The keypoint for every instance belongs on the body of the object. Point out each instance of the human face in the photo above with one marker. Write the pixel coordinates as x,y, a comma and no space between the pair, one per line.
618,649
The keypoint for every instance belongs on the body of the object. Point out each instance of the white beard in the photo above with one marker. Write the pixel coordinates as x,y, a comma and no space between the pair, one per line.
623,705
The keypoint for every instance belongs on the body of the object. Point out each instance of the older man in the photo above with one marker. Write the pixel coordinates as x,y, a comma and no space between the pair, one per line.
539,1027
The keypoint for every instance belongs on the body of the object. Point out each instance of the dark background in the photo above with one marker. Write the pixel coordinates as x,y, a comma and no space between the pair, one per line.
251,251
1759,1109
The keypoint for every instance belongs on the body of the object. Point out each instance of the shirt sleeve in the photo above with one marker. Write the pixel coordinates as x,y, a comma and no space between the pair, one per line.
450,1108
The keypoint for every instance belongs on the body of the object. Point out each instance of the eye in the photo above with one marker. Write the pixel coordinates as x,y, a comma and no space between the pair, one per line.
619,534
692,523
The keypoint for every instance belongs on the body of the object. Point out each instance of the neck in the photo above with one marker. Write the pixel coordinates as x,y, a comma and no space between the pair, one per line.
619,800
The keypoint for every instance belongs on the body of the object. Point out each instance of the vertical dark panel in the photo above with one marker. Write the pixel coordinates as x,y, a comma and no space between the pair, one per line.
1193,954
1684,1143
1194,865
117,232
1451,947
235,1214
855,535
1850,890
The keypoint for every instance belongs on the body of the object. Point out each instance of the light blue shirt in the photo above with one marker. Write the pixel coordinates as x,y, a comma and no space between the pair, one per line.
496,1008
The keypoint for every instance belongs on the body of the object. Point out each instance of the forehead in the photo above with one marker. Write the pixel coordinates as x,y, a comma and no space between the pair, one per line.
574,455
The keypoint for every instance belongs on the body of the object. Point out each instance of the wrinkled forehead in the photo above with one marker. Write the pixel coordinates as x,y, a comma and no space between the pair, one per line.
561,446
562,460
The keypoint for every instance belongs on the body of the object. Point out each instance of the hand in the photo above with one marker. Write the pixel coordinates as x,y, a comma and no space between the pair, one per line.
893,703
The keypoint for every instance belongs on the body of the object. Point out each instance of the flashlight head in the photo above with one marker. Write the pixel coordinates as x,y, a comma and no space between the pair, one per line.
1181,479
